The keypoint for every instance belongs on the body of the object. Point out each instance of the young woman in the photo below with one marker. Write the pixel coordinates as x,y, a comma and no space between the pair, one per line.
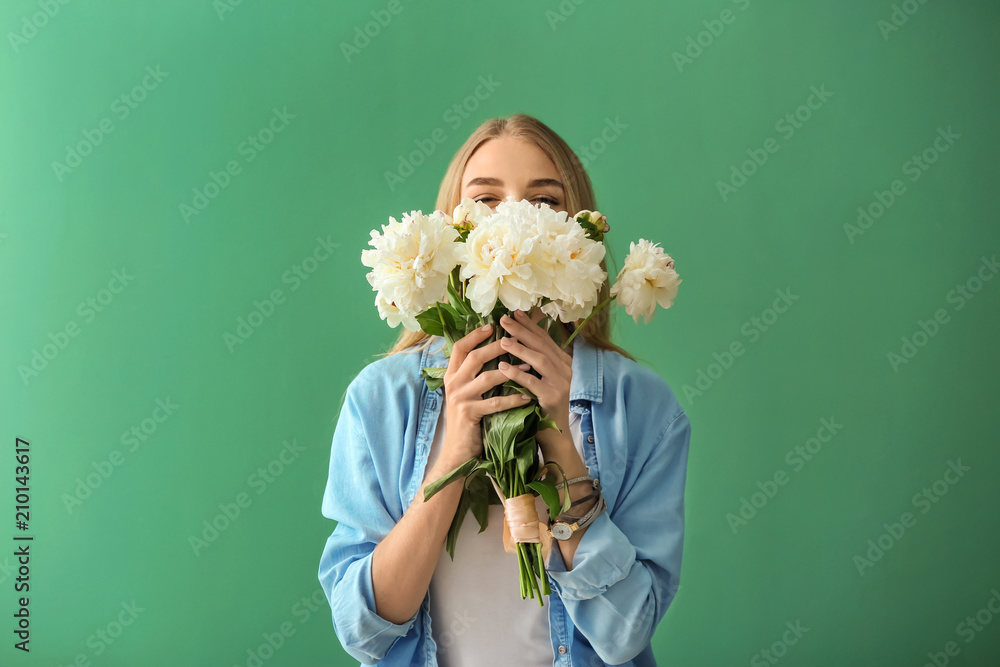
397,598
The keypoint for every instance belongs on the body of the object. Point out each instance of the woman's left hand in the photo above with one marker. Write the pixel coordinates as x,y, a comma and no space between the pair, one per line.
532,344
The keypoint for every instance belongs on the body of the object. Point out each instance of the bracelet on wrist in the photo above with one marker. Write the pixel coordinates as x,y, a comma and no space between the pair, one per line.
582,478
566,516
563,527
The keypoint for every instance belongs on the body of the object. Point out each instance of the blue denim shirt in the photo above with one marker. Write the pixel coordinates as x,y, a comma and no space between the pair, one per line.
626,568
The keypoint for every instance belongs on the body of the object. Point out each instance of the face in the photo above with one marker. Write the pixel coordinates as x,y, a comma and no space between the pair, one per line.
507,166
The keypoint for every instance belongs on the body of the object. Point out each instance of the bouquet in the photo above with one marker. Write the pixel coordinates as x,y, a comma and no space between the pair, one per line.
450,274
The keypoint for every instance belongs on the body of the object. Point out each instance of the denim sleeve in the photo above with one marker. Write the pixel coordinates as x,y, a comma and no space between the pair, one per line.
354,499
626,568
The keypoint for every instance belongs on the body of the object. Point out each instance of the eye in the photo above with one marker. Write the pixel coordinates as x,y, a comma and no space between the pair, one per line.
548,200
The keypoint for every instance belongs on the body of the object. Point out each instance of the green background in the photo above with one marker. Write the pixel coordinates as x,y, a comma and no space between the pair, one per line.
683,126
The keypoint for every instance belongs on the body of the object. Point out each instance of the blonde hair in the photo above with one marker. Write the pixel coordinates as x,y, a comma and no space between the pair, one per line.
579,195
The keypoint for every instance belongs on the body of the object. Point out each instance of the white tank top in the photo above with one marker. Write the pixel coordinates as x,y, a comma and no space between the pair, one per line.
479,619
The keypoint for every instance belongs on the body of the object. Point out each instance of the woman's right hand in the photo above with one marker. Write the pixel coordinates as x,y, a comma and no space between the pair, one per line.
464,387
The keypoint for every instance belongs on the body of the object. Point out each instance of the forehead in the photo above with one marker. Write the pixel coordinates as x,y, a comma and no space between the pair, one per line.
509,159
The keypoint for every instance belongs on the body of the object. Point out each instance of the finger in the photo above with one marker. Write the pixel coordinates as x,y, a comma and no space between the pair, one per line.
465,344
475,360
519,375
537,359
533,321
497,403
484,382
534,336
547,339
523,328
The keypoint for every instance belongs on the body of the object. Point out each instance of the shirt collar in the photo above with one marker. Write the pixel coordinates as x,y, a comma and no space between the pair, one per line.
587,382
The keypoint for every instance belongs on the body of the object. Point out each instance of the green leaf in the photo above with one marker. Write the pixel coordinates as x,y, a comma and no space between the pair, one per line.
447,314
546,488
498,311
510,384
445,320
450,338
458,321
462,307
434,377
430,322
460,471
466,318
545,422
504,428
544,470
593,232
485,466
454,326
526,452
479,495
515,418
456,522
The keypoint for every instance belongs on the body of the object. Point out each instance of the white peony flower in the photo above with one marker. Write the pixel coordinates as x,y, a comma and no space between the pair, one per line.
470,214
647,278
388,311
504,259
574,262
410,263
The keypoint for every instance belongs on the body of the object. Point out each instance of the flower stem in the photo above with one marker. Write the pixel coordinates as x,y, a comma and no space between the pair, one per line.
582,324
521,572
437,305
545,578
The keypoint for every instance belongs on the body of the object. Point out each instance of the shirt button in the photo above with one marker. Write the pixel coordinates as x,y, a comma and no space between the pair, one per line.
590,438
562,649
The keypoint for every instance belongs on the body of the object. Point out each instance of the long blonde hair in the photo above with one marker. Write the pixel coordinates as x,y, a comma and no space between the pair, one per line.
579,194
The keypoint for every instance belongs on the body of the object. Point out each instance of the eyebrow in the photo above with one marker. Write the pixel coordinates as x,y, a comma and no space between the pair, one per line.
537,183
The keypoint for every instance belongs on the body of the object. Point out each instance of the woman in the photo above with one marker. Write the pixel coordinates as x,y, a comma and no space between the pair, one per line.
396,596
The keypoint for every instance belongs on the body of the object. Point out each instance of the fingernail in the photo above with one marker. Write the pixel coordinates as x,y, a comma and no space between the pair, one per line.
505,341
524,397
504,365
524,367
485,328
